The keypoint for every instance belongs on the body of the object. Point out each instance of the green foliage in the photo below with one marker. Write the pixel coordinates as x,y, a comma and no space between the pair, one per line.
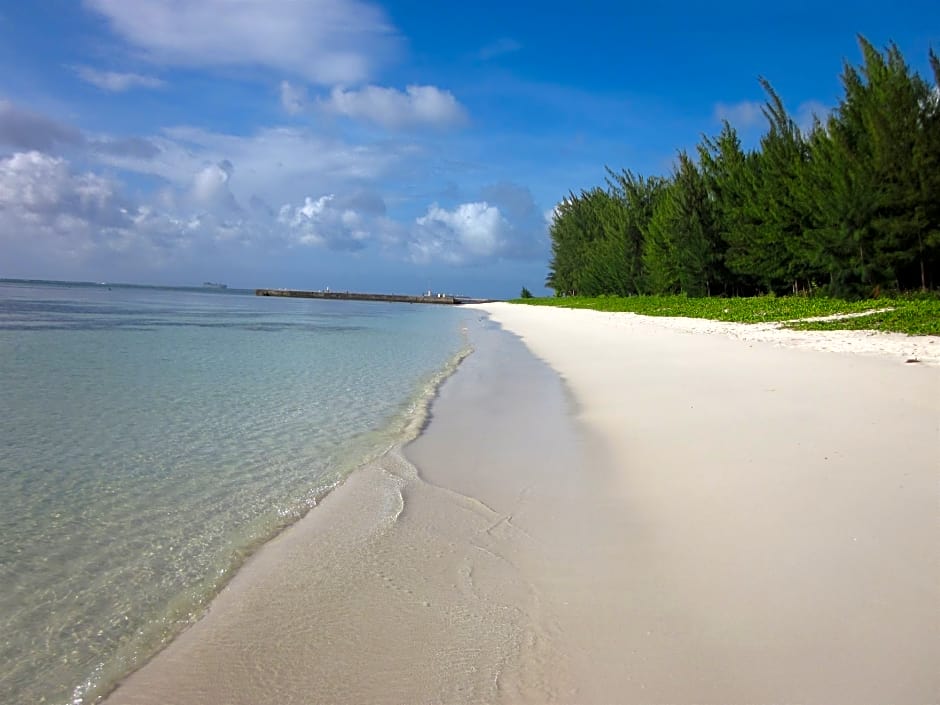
526,294
598,237
772,247
872,186
913,319
911,315
728,174
850,208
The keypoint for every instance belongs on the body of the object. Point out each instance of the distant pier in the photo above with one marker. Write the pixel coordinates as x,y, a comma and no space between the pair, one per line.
356,296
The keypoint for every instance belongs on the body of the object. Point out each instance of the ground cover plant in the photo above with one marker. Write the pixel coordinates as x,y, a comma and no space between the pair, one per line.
914,315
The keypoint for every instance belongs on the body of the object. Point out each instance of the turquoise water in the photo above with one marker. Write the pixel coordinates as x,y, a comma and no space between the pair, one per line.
151,439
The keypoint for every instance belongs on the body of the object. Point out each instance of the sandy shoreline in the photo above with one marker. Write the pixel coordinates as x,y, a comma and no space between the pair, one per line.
688,519
790,496
399,587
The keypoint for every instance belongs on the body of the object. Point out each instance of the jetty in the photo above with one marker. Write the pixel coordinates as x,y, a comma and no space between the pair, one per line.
429,298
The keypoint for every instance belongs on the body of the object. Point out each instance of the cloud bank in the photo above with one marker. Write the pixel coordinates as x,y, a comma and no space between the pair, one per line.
326,42
115,82
26,130
78,205
391,108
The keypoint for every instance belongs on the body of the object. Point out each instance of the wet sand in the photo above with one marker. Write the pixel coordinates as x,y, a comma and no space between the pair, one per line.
689,518
404,587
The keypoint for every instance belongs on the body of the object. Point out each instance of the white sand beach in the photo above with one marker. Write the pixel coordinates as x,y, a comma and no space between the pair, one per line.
690,517
783,489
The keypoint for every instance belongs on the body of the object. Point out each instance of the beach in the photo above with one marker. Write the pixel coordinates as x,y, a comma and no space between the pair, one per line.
605,508
784,490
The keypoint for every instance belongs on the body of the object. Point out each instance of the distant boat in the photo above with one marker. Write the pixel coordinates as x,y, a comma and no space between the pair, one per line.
215,285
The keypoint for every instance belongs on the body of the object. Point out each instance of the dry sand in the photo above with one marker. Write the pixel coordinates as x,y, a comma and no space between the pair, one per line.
786,501
694,517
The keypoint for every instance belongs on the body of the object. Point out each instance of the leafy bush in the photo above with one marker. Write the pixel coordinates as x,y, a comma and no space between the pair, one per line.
914,315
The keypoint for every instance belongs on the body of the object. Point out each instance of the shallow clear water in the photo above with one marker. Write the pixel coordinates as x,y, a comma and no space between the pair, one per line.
150,439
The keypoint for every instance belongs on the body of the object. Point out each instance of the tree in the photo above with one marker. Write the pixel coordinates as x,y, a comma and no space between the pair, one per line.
770,244
852,206
873,185
683,249
639,196
729,173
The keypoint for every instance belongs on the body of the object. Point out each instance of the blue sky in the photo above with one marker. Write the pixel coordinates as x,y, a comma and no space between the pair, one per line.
384,147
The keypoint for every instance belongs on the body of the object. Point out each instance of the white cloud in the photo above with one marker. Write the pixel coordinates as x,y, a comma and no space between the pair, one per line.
324,41
275,164
33,182
210,187
48,212
505,224
528,236
293,98
116,82
215,197
59,220
743,115
470,232
416,105
322,222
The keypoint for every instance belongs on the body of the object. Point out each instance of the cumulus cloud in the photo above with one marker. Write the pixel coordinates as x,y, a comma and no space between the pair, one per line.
389,107
293,98
26,130
742,115
259,205
37,183
210,188
207,196
61,220
323,223
325,41
505,224
47,210
116,82
470,232
528,236
363,201
281,164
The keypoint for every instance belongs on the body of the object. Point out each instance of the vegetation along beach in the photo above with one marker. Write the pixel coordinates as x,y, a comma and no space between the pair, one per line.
360,351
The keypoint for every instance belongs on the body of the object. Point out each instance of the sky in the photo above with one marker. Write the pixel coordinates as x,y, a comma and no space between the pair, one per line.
385,147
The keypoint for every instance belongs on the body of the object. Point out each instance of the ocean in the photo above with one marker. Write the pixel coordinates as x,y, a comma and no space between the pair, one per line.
151,439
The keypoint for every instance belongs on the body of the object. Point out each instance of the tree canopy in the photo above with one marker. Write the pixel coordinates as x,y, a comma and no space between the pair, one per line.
849,207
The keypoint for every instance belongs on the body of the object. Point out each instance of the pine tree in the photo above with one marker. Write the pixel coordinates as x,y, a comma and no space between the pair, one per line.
873,184
639,196
725,169
683,246
769,243
852,206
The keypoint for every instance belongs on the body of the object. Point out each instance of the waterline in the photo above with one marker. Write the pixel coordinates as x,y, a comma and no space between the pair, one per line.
159,438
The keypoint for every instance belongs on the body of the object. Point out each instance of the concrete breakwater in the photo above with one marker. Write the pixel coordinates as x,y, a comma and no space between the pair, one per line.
356,296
